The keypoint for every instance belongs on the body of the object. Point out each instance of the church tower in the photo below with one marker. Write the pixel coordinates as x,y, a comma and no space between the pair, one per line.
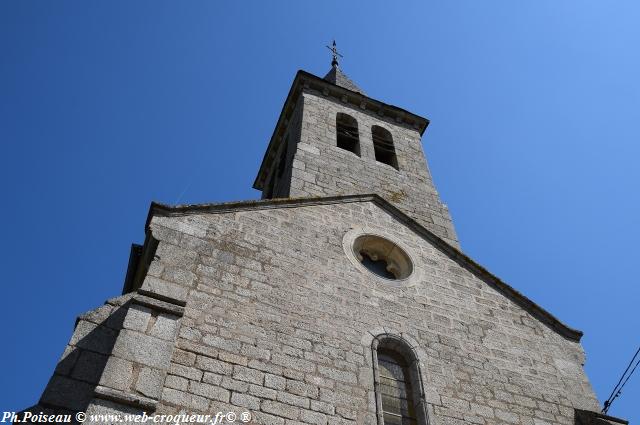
340,298
332,139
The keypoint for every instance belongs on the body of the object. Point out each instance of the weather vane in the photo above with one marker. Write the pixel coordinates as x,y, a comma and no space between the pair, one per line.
335,54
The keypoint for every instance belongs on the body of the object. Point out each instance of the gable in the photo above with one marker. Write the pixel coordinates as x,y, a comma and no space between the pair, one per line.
455,272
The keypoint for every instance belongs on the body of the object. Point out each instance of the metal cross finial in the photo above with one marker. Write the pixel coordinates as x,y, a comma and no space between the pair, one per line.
335,54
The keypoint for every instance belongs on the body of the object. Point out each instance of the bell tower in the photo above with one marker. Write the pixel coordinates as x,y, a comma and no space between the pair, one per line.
333,139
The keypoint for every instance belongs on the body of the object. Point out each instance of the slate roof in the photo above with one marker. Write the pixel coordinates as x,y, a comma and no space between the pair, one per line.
337,77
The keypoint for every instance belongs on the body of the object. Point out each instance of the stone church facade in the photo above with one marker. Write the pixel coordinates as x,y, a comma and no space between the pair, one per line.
340,298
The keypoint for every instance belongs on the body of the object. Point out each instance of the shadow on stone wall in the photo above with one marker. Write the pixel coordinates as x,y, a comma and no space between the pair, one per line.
71,388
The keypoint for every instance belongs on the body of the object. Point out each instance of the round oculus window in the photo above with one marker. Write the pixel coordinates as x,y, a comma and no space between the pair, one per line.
382,257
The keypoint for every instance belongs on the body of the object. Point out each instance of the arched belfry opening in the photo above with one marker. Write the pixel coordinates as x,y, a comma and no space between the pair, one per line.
398,383
383,147
347,136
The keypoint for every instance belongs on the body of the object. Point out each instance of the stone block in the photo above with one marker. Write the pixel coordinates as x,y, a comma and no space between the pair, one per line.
89,367
117,374
275,382
153,286
165,327
177,397
137,318
68,360
184,357
245,374
314,418
92,337
213,365
234,384
211,392
280,409
67,393
293,400
177,382
246,401
191,373
150,382
144,349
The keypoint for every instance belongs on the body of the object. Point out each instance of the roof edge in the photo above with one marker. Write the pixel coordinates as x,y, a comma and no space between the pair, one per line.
452,252
422,122
584,417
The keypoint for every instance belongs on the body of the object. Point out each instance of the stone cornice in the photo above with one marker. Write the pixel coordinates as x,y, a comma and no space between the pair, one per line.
157,209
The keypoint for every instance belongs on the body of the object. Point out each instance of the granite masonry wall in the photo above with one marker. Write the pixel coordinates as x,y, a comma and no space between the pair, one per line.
317,167
263,307
117,359
279,322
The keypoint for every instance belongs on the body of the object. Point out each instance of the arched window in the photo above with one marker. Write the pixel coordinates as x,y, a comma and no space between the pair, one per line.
398,383
347,133
383,146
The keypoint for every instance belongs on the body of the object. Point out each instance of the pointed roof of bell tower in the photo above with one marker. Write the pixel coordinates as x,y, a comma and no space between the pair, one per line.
336,76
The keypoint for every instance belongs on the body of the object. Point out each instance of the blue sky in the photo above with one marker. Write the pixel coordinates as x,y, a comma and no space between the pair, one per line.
533,143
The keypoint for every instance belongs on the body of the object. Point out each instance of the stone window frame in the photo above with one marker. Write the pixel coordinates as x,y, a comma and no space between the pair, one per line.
379,142
357,145
408,348
349,240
